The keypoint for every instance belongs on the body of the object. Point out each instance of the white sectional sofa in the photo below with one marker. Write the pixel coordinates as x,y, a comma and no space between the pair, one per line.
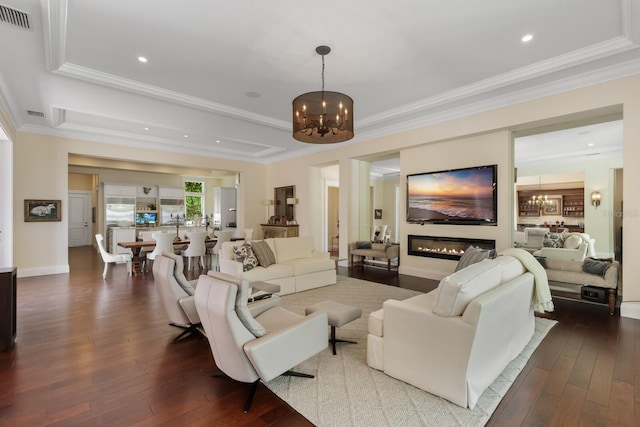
298,266
455,340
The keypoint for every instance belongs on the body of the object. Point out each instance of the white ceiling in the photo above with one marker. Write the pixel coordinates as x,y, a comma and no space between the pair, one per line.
228,71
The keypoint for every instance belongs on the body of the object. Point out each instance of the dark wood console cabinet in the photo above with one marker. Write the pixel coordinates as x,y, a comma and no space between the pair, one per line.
8,293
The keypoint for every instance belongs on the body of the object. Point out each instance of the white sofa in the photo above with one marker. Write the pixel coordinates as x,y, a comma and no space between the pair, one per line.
575,247
298,266
455,340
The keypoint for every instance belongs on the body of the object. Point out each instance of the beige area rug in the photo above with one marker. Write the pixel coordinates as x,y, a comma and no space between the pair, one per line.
346,392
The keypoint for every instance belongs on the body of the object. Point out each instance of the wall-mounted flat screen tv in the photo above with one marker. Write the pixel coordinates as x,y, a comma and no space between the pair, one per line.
466,196
145,218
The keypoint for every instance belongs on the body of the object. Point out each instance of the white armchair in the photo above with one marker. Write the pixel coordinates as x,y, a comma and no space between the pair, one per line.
533,238
576,247
177,293
250,346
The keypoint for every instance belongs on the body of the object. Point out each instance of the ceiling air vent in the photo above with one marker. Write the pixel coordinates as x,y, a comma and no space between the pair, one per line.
14,17
35,113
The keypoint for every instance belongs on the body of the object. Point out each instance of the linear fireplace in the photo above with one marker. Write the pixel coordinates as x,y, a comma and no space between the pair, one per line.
445,247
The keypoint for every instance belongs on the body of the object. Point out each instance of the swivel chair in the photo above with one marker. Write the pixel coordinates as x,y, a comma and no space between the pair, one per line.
177,294
253,345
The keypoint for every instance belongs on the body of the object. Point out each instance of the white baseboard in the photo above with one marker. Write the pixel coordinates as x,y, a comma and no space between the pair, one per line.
43,271
630,309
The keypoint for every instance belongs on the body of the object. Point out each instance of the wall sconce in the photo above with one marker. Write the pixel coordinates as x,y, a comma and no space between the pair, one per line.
292,201
595,199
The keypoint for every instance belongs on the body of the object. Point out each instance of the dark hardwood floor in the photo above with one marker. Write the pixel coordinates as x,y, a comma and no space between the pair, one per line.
98,352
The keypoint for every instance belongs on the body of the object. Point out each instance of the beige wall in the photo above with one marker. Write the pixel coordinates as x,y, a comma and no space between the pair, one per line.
621,95
40,171
80,181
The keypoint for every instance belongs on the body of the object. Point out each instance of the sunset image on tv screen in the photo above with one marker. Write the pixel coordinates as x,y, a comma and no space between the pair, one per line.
463,194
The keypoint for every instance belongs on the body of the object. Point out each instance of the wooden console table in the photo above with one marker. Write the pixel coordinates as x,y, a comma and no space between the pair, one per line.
279,230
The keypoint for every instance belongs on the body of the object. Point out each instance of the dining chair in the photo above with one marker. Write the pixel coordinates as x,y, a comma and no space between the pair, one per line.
196,248
164,243
146,236
222,236
110,258
248,233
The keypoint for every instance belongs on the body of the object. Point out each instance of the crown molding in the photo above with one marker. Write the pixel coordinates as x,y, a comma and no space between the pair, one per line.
561,85
559,63
126,139
7,118
54,27
87,74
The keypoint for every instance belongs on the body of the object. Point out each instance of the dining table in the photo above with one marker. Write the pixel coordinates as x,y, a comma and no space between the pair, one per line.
137,246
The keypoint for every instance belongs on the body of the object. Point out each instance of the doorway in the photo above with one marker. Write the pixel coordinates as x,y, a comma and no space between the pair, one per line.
593,150
79,206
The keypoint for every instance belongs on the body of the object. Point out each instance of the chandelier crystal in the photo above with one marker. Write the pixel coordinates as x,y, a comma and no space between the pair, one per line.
540,200
323,117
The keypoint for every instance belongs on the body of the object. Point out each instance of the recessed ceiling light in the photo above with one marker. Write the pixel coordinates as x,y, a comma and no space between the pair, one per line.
591,144
146,128
186,136
142,59
527,38
218,141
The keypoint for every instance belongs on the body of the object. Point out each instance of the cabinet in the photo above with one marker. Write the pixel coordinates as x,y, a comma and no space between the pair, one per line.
275,230
171,203
527,209
573,204
116,235
7,307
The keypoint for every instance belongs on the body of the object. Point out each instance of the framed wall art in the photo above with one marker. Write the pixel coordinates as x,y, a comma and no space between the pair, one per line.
377,213
553,207
42,210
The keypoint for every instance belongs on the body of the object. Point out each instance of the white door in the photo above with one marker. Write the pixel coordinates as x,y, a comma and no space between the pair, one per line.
79,218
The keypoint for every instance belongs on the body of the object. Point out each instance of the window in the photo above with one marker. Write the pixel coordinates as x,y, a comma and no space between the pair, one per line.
194,201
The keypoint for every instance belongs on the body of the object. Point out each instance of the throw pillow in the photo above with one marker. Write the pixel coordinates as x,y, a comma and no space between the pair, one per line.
244,255
363,245
595,266
552,240
263,252
573,242
472,255
458,289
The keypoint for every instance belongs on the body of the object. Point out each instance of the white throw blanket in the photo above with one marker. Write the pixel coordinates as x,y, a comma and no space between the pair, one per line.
542,295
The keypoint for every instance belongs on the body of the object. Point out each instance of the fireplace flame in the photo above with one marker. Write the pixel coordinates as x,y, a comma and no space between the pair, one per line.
444,250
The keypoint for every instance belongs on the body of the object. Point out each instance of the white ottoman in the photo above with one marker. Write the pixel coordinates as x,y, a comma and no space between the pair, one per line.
339,314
